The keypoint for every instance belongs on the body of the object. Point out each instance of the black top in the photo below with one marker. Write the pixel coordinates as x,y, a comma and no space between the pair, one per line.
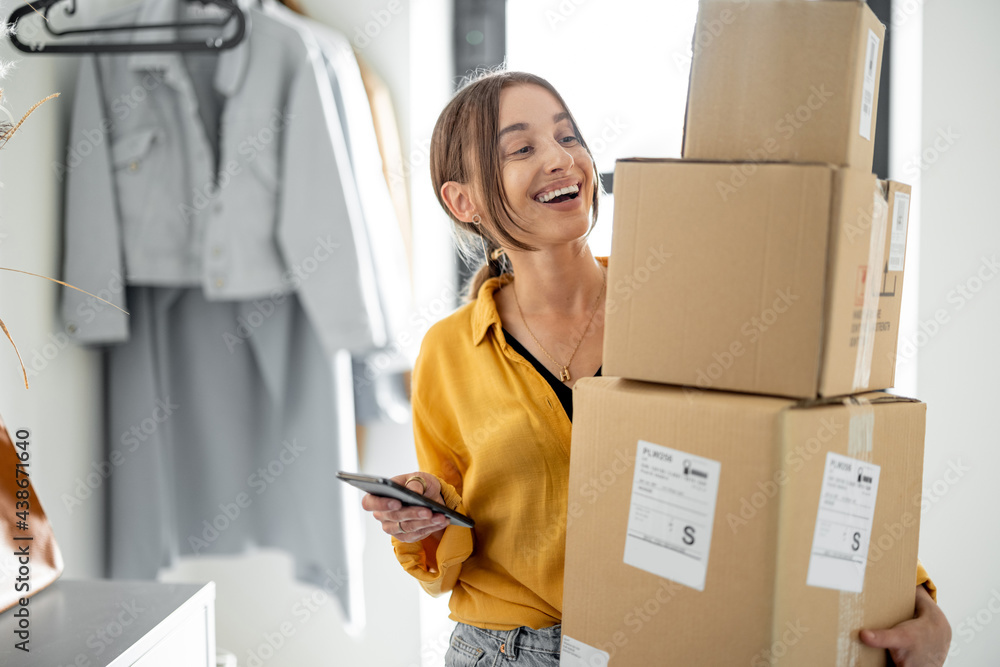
564,393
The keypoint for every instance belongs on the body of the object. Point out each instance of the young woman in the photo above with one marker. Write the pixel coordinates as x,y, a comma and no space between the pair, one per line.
492,401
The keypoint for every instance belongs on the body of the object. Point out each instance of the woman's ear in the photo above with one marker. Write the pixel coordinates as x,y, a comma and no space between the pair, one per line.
457,197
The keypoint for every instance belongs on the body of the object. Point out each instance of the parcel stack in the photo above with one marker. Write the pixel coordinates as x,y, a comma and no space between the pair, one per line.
741,490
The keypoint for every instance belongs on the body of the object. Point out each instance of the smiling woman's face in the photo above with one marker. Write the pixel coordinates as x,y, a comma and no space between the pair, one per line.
541,155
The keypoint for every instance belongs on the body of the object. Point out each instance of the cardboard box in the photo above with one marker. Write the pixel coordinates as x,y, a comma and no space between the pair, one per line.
707,528
890,294
754,277
773,80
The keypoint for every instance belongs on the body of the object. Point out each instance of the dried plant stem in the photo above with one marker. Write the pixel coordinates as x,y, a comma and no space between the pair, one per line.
38,12
29,273
16,351
8,132
4,326
11,131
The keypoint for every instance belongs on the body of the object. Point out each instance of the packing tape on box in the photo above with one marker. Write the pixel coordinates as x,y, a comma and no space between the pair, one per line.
869,310
860,442
862,428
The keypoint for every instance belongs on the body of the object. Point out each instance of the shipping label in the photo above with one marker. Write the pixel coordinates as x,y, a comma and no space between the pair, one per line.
577,654
868,91
843,524
897,242
672,513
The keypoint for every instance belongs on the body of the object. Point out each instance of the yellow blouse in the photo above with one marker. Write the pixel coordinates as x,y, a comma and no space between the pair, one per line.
492,429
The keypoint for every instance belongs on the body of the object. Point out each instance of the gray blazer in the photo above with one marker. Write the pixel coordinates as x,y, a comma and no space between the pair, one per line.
254,206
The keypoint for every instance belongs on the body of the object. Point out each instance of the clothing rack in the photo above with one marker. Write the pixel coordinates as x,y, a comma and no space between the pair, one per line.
43,7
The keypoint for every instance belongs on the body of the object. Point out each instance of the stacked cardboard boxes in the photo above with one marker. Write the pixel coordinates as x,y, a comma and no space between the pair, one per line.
769,526
791,286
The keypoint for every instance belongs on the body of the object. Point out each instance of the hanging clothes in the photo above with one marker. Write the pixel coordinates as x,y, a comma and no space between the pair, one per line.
381,375
216,199
278,211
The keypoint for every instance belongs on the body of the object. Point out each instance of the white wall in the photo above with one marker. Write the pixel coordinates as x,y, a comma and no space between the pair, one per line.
60,409
408,44
434,264
958,364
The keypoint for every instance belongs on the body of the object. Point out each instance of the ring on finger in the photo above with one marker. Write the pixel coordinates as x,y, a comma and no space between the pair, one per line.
417,478
400,524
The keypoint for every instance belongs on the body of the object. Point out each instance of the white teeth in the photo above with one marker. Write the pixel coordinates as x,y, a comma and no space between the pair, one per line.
548,196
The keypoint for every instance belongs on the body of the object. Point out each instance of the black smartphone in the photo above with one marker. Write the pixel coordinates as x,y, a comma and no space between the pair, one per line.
386,488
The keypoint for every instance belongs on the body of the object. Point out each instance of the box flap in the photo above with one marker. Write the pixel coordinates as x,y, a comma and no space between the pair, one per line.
655,160
873,397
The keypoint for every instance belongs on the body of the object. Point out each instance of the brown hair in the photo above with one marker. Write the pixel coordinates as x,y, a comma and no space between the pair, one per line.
464,149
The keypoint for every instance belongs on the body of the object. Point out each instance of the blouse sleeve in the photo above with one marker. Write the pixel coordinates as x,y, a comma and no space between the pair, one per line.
924,578
436,563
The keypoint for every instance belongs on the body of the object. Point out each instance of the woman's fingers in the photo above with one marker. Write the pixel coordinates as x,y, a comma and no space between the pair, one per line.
408,523
414,530
405,513
378,503
416,537
423,483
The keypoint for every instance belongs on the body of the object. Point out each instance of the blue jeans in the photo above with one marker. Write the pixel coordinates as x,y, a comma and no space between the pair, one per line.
522,647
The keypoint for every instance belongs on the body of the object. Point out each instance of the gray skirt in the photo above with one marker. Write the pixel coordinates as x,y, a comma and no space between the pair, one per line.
226,424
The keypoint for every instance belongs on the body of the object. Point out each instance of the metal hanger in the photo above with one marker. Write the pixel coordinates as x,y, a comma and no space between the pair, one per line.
43,7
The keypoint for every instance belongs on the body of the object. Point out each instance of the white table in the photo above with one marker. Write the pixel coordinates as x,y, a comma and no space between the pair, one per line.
115,624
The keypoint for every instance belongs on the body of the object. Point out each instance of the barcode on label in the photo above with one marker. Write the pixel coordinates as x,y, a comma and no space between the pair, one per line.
897,241
844,521
868,90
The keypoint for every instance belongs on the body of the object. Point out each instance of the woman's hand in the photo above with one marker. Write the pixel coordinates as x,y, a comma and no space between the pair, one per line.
921,641
409,524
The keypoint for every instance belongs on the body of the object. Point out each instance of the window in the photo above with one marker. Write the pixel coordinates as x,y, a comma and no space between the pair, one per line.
622,68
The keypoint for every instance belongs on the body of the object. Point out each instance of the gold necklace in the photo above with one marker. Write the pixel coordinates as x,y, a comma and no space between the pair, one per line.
564,373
